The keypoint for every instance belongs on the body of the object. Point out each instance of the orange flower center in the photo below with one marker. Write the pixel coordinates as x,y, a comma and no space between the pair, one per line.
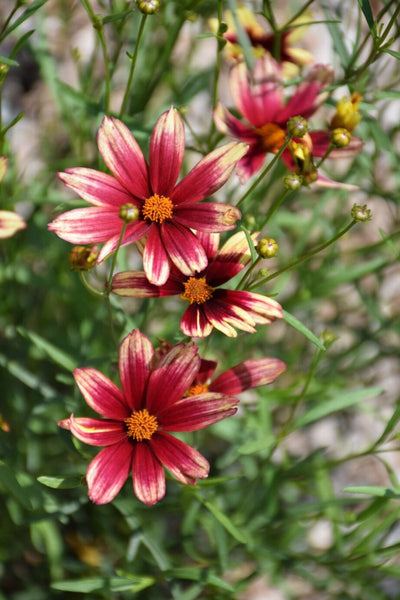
141,425
197,290
272,137
198,388
157,208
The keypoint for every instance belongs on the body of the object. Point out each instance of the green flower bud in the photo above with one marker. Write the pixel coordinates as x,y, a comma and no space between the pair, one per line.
297,126
262,273
340,137
292,181
148,7
83,258
128,213
267,248
361,213
328,337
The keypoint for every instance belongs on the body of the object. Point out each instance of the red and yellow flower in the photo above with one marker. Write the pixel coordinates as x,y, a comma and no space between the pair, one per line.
163,210
138,417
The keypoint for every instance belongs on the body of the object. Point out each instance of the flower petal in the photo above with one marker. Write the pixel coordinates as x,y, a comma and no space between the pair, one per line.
173,376
194,323
251,162
133,232
135,358
197,412
248,374
210,243
148,475
155,259
97,432
184,462
231,259
96,187
224,316
10,223
227,124
259,307
210,217
207,368
87,225
108,472
101,394
123,157
167,147
209,174
136,285
183,248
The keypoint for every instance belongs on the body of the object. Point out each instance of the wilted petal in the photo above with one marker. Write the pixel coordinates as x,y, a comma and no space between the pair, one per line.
135,357
10,223
172,377
123,157
148,475
155,259
97,432
183,248
167,147
194,323
87,225
136,285
108,472
248,374
197,412
96,187
209,174
227,124
101,394
183,461
209,217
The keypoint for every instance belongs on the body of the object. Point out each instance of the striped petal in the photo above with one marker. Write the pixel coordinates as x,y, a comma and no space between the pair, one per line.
135,361
101,394
183,461
123,157
155,259
259,307
225,316
97,432
167,147
134,231
210,243
231,259
197,412
248,374
210,217
108,472
183,248
209,174
227,124
10,223
206,371
251,162
148,475
96,187
172,377
87,225
136,285
194,323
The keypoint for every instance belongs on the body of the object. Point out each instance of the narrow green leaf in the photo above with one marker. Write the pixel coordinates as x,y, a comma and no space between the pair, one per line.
114,584
392,53
25,15
250,243
243,38
389,242
224,520
294,322
254,446
117,16
21,42
55,354
8,61
12,123
337,39
62,483
339,402
366,9
373,490
10,482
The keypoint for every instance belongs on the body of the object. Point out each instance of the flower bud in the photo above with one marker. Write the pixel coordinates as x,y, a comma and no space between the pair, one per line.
262,273
361,213
83,258
310,176
148,7
340,137
267,248
297,126
328,337
128,213
292,181
347,115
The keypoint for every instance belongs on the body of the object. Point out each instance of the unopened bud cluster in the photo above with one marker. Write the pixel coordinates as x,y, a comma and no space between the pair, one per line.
297,126
267,248
83,258
361,213
148,7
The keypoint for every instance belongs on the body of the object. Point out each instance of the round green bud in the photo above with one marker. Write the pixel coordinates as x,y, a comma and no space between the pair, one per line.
267,248
328,337
292,181
340,137
361,213
128,213
148,7
297,126
262,273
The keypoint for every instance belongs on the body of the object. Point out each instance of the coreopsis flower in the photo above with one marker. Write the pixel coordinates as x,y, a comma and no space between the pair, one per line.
10,223
146,197
260,100
262,42
137,420
209,304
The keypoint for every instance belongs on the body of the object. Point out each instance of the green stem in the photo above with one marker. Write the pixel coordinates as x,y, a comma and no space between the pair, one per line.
10,16
251,268
273,208
87,285
133,65
306,256
325,156
264,172
109,284
297,14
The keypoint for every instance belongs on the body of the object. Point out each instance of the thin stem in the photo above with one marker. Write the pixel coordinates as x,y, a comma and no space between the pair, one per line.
264,172
325,156
133,65
251,268
10,16
297,14
114,259
274,207
87,285
306,256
